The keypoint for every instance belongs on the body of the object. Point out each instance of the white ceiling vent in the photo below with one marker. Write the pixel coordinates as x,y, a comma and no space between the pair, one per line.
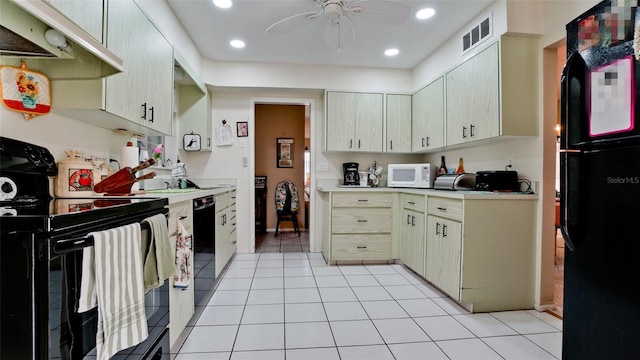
477,33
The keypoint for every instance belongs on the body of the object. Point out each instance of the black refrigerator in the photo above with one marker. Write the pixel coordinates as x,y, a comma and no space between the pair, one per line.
600,184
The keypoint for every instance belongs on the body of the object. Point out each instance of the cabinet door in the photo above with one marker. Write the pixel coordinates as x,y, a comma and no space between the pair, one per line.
222,240
419,241
435,114
443,258
398,123
341,114
459,103
86,13
406,254
485,93
126,27
368,122
158,79
427,119
419,120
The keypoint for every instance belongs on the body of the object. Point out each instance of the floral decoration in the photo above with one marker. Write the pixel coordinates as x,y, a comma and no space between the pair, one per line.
157,153
28,89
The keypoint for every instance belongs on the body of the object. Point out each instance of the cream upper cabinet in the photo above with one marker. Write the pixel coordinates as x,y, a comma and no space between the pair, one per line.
427,117
354,121
494,93
140,98
194,114
85,13
398,123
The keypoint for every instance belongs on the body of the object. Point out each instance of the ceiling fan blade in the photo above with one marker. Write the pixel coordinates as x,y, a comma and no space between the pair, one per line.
386,12
292,22
339,32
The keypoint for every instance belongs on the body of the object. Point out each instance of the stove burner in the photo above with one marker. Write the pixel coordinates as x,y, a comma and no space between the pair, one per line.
8,189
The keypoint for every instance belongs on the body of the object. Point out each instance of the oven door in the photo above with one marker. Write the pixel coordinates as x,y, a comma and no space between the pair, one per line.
72,335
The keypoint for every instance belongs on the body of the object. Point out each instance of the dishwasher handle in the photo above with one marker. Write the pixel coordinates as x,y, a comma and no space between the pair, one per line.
204,202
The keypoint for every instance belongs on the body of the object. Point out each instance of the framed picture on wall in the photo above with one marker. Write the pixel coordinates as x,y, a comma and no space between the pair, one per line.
242,129
284,154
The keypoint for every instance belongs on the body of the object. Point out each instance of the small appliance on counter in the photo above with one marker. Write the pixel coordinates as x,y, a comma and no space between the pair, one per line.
497,180
461,182
411,175
350,174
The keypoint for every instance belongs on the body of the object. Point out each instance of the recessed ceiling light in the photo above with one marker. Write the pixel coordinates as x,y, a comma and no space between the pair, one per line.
222,3
238,44
425,13
391,52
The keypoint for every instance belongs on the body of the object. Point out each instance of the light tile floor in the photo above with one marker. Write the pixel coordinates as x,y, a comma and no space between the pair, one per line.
294,306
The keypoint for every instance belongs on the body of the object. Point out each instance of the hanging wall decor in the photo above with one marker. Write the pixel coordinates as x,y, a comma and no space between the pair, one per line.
285,152
25,91
242,129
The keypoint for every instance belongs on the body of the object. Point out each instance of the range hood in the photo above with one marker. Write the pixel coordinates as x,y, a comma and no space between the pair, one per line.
22,27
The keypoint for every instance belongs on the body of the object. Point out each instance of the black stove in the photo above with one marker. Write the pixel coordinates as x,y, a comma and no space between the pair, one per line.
41,244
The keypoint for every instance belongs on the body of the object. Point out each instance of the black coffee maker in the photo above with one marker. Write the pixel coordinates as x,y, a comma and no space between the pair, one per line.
350,173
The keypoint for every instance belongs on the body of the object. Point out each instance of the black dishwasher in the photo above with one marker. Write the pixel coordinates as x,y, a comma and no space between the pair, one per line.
204,244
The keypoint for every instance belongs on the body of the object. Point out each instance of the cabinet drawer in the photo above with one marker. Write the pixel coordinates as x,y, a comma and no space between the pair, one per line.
361,247
444,207
362,199
222,201
354,220
413,202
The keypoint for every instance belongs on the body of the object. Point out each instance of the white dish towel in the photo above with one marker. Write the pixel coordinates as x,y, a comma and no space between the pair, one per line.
112,279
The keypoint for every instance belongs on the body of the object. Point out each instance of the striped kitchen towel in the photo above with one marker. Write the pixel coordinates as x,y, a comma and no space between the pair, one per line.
119,289
158,263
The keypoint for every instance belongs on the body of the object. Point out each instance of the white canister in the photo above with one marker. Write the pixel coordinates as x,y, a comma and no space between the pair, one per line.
75,176
363,178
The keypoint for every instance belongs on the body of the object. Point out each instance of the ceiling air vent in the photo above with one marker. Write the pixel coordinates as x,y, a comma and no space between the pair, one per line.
477,33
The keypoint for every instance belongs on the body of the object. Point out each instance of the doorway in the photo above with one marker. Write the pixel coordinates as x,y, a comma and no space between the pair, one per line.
282,152
553,247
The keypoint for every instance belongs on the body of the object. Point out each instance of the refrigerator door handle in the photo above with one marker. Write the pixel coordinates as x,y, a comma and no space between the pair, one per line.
573,108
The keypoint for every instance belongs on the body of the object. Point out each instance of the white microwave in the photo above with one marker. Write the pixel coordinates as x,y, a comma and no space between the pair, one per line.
411,175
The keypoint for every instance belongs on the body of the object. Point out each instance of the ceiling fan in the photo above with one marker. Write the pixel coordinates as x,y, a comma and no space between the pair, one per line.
338,31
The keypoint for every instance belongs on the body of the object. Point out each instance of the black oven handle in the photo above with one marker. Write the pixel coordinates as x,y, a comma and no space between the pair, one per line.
65,246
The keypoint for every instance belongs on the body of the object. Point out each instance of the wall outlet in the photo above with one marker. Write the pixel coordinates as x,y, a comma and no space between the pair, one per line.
323,167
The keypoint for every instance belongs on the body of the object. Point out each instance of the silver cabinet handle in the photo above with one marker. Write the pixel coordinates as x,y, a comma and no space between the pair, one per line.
391,144
151,111
427,141
413,221
362,220
362,200
464,132
423,139
234,241
441,208
408,217
437,228
471,130
361,247
411,202
182,217
444,230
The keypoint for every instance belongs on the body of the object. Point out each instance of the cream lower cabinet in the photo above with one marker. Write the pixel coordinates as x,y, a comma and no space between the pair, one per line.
225,229
181,301
361,227
413,231
481,252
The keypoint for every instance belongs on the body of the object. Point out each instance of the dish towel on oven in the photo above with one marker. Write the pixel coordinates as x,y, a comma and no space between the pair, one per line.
158,263
115,284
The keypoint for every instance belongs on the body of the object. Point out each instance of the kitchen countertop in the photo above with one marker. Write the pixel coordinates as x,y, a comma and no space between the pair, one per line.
184,194
466,195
